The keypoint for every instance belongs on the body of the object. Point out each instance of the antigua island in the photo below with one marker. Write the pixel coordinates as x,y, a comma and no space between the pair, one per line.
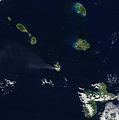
81,45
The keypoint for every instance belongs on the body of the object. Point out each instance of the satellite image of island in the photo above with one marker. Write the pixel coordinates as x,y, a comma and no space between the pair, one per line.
59,60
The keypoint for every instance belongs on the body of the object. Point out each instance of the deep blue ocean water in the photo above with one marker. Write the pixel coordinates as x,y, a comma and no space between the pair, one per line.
56,27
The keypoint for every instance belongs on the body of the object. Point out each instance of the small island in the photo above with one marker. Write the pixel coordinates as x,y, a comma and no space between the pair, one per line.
9,18
79,9
57,67
81,44
89,98
33,40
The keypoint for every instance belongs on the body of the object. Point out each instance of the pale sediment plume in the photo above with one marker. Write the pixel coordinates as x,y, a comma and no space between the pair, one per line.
15,57
41,65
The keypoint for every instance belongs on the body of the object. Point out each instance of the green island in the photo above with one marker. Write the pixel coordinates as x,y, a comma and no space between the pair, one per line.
9,18
33,40
79,9
89,98
81,44
57,67
22,28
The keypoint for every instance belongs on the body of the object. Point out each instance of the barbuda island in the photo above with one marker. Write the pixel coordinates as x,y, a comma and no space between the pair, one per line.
89,98
81,44
79,9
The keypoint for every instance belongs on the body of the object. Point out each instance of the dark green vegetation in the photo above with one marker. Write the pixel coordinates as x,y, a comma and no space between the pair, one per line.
82,45
21,27
79,9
